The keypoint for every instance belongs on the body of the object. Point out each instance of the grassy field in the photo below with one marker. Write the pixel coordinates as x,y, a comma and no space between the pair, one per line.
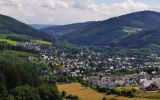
43,42
7,38
11,39
15,36
85,93
153,95
8,41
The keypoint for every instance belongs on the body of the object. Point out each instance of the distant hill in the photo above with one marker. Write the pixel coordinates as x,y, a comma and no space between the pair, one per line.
10,25
39,26
126,30
142,39
60,30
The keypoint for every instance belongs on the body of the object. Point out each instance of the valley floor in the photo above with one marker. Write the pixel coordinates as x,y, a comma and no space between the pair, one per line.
85,93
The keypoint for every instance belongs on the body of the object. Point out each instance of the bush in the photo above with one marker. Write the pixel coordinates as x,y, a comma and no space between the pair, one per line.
104,98
10,97
71,97
113,99
101,89
63,94
25,93
124,91
49,92
3,89
127,92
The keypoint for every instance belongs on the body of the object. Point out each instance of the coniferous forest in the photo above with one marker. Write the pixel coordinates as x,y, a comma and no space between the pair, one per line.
19,77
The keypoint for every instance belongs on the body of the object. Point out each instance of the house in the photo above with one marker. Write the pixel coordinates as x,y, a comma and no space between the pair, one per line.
94,79
157,83
120,83
145,83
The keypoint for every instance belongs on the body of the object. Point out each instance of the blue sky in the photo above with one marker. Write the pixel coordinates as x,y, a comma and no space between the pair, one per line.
72,11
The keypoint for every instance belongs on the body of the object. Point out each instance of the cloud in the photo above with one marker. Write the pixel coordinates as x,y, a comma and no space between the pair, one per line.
53,4
121,7
130,5
11,3
69,11
85,5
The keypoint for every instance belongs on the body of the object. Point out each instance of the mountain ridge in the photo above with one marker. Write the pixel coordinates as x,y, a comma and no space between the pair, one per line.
9,25
108,32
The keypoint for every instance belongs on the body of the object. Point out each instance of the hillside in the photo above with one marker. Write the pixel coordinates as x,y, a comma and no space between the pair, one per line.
142,39
39,26
115,31
60,30
10,25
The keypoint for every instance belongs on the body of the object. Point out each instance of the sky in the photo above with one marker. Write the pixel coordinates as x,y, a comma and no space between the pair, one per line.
60,12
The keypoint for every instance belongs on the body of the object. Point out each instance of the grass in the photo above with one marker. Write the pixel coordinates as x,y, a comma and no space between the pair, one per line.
18,53
13,55
82,92
85,93
43,42
153,95
131,30
15,35
8,41
8,38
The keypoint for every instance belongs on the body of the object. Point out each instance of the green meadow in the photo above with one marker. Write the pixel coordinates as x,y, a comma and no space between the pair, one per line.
14,38
8,41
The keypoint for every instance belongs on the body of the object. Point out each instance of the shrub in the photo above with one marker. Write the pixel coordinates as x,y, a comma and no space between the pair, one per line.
25,93
104,98
127,92
71,97
113,99
63,94
49,92
10,97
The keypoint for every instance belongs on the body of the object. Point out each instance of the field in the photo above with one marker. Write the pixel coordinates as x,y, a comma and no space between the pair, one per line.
85,93
8,38
13,38
43,42
17,36
8,41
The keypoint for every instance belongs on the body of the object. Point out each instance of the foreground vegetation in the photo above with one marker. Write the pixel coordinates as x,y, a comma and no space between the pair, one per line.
19,77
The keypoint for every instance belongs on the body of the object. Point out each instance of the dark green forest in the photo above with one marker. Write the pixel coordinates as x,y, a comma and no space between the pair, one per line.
19,77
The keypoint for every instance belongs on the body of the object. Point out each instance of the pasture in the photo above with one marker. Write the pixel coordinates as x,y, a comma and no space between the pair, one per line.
85,93
8,41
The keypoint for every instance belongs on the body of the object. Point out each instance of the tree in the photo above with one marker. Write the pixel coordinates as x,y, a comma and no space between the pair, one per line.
10,97
71,97
104,98
25,93
63,94
3,89
49,92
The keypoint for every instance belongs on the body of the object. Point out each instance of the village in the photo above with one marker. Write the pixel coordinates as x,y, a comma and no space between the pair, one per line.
98,69
141,80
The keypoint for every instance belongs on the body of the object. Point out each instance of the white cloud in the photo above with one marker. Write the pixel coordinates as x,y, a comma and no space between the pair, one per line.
123,7
85,5
53,4
68,11
11,3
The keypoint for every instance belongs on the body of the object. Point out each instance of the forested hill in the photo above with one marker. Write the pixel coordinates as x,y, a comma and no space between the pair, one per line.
11,25
117,31
60,30
39,26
